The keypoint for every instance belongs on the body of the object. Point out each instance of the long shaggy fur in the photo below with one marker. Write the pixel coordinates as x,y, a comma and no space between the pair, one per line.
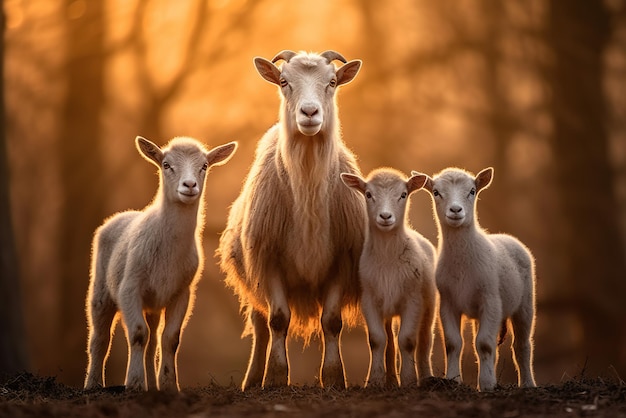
288,224
294,218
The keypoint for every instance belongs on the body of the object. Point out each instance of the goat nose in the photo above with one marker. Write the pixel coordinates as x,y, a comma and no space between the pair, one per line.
385,215
309,109
456,209
190,184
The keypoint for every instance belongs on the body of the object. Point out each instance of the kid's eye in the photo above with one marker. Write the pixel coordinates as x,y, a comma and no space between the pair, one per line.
403,195
436,193
368,195
283,82
205,166
166,165
473,192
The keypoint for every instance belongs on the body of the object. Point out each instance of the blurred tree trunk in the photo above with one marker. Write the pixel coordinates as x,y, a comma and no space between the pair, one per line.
578,32
12,338
81,165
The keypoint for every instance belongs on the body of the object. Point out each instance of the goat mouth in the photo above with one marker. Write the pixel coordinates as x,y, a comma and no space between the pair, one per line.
455,220
188,196
385,225
309,128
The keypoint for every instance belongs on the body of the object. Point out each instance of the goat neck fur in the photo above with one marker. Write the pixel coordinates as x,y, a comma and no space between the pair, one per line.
486,277
309,148
397,278
294,234
145,265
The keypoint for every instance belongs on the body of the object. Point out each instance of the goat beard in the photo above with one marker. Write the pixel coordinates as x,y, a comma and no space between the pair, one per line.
309,166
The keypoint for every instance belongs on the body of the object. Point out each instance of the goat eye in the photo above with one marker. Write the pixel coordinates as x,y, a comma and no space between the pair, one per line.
166,165
403,195
473,192
205,166
333,83
283,82
435,193
368,195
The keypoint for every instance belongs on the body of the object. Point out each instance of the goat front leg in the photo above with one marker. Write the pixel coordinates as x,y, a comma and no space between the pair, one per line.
153,353
137,334
377,338
485,345
407,343
390,356
277,368
331,371
175,316
451,323
258,355
426,336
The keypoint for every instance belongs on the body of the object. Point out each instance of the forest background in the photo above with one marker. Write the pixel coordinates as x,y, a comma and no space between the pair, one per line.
534,88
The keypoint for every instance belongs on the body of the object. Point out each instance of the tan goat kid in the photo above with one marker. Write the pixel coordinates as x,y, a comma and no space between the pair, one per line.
145,265
489,278
397,271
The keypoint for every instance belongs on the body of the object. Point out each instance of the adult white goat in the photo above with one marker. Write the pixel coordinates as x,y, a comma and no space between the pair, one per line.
397,271
145,265
489,278
294,235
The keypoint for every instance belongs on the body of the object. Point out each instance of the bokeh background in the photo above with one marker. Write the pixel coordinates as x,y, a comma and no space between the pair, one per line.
534,88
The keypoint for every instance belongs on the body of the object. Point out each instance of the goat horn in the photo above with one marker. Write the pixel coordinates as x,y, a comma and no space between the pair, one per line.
333,55
284,55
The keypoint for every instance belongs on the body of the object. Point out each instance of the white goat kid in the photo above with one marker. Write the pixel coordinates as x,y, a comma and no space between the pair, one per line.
489,278
288,251
397,271
145,265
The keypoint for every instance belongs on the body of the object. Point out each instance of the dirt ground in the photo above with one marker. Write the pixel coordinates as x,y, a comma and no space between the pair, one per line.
27,395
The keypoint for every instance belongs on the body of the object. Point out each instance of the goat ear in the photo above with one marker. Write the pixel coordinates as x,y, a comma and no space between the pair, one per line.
483,179
346,73
149,150
221,154
416,181
428,184
267,70
353,181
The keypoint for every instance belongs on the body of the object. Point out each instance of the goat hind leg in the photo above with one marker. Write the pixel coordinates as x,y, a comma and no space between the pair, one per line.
258,355
101,318
523,326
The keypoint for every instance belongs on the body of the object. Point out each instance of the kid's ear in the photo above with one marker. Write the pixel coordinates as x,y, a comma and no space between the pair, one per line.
428,183
267,70
483,179
221,154
416,181
149,150
354,181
